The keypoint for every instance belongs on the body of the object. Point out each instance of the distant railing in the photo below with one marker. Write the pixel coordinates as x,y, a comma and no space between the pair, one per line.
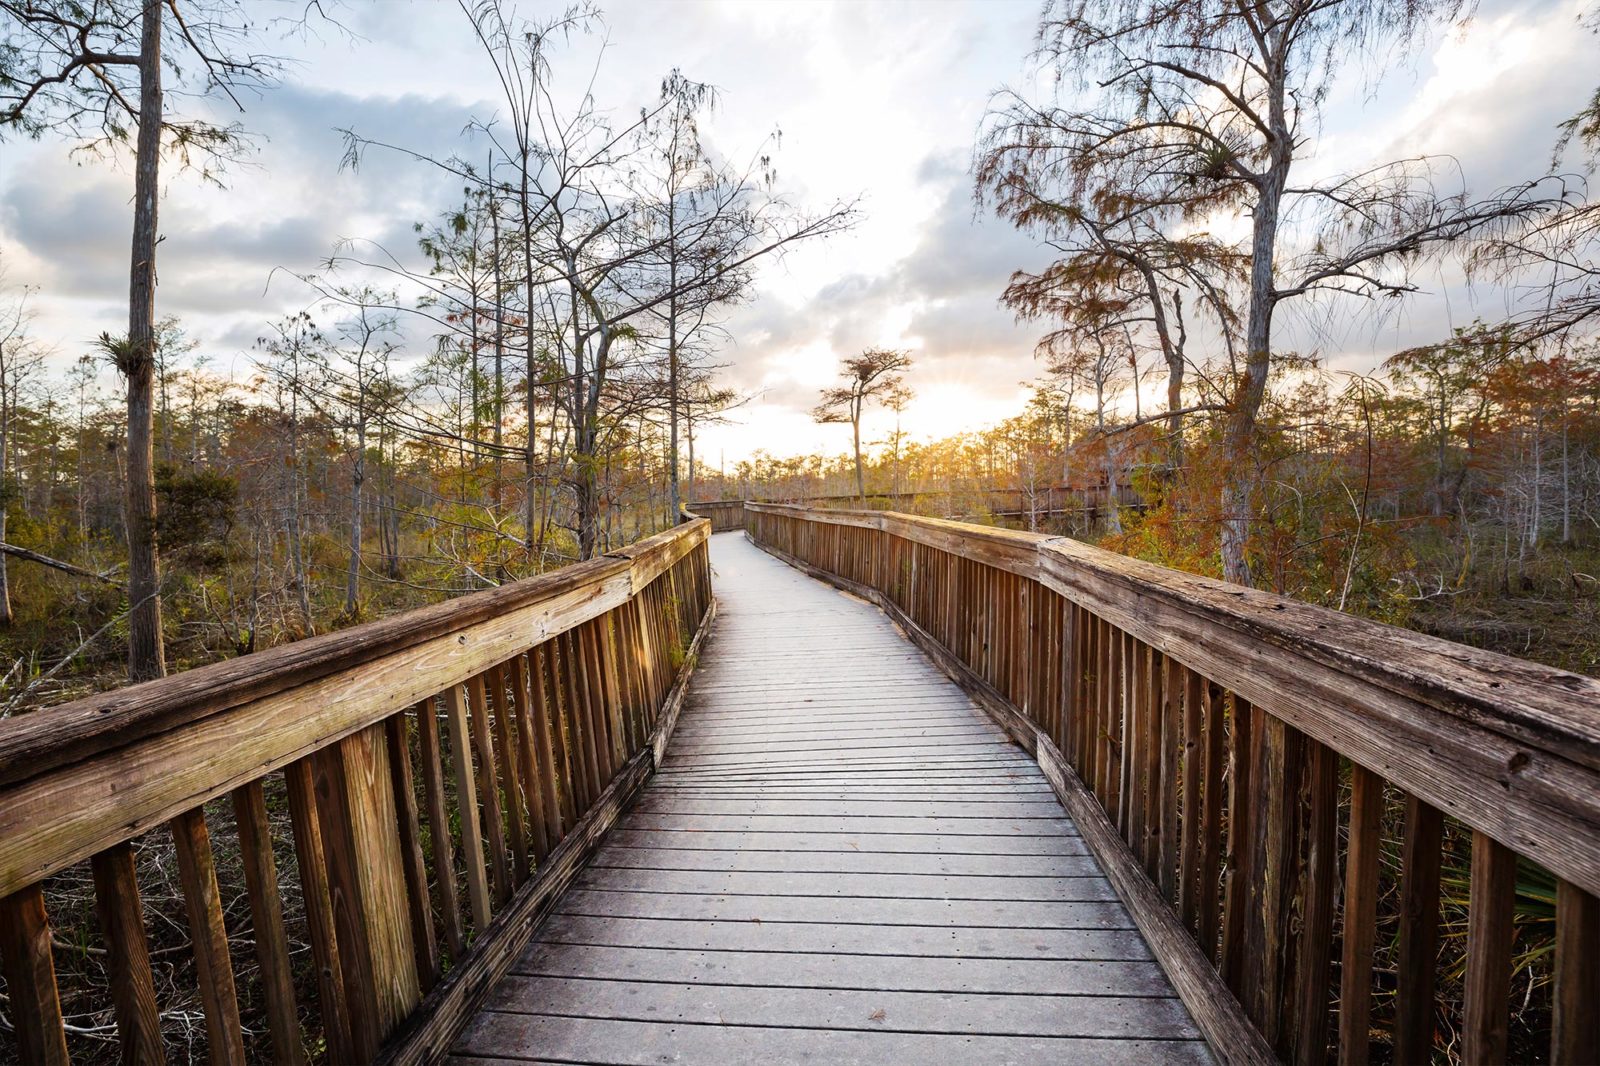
725,515
1283,795
531,713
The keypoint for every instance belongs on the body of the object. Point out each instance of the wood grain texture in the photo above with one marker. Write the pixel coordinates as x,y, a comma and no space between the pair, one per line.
266,915
365,874
1486,1005
310,856
197,873
419,908
133,991
35,1007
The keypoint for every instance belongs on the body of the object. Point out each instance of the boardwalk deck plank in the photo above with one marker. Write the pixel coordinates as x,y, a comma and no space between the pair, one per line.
840,860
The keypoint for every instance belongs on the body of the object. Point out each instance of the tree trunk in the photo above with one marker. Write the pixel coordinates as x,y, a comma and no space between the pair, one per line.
358,473
675,500
855,436
5,503
146,655
500,357
1240,483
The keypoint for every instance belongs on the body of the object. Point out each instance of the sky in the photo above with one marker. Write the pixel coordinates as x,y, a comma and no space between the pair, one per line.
880,101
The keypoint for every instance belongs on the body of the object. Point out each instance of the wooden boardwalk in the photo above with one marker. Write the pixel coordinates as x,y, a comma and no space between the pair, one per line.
841,861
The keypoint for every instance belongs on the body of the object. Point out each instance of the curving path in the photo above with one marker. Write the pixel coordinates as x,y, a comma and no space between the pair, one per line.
842,860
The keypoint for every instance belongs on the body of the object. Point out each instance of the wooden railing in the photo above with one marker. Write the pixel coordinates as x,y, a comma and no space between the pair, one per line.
1334,834
531,713
725,515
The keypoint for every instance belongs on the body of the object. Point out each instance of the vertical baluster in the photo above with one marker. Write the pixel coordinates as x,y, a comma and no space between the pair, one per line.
605,655
1419,932
1576,1034
266,913
547,678
1241,802
133,990
318,897
455,717
418,906
30,971
1274,867
560,730
509,765
494,826
533,754
1193,816
431,756
582,719
1171,755
1210,866
1116,728
361,840
594,708
197,873
1152,667
1362,862
1486,1008
1314,971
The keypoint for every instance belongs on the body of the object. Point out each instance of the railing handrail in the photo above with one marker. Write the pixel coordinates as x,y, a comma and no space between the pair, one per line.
34,743
1554,709
101,729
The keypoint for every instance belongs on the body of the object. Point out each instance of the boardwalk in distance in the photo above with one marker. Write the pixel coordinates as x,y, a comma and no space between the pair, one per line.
842,860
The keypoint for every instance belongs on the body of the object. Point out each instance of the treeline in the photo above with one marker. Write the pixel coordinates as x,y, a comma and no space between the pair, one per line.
518,390
1445,467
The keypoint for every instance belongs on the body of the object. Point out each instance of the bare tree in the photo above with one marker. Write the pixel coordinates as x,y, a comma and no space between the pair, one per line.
92,70
1207,106
877,374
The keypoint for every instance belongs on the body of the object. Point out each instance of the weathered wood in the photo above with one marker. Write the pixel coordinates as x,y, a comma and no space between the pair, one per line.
508,761
266,915
487,768
1486,1007
51,821
560,731
455,716
528,749
419,907
544,721
1426,714
1314,969
431,757
35,1009
1419,932
133,990
1362,862
1193,815
197,874
1576,1034
429,1031
450,632
365,874
1242,804
1231,1036
310,856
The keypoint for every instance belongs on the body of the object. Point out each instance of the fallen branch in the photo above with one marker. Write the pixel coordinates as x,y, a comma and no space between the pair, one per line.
56,564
